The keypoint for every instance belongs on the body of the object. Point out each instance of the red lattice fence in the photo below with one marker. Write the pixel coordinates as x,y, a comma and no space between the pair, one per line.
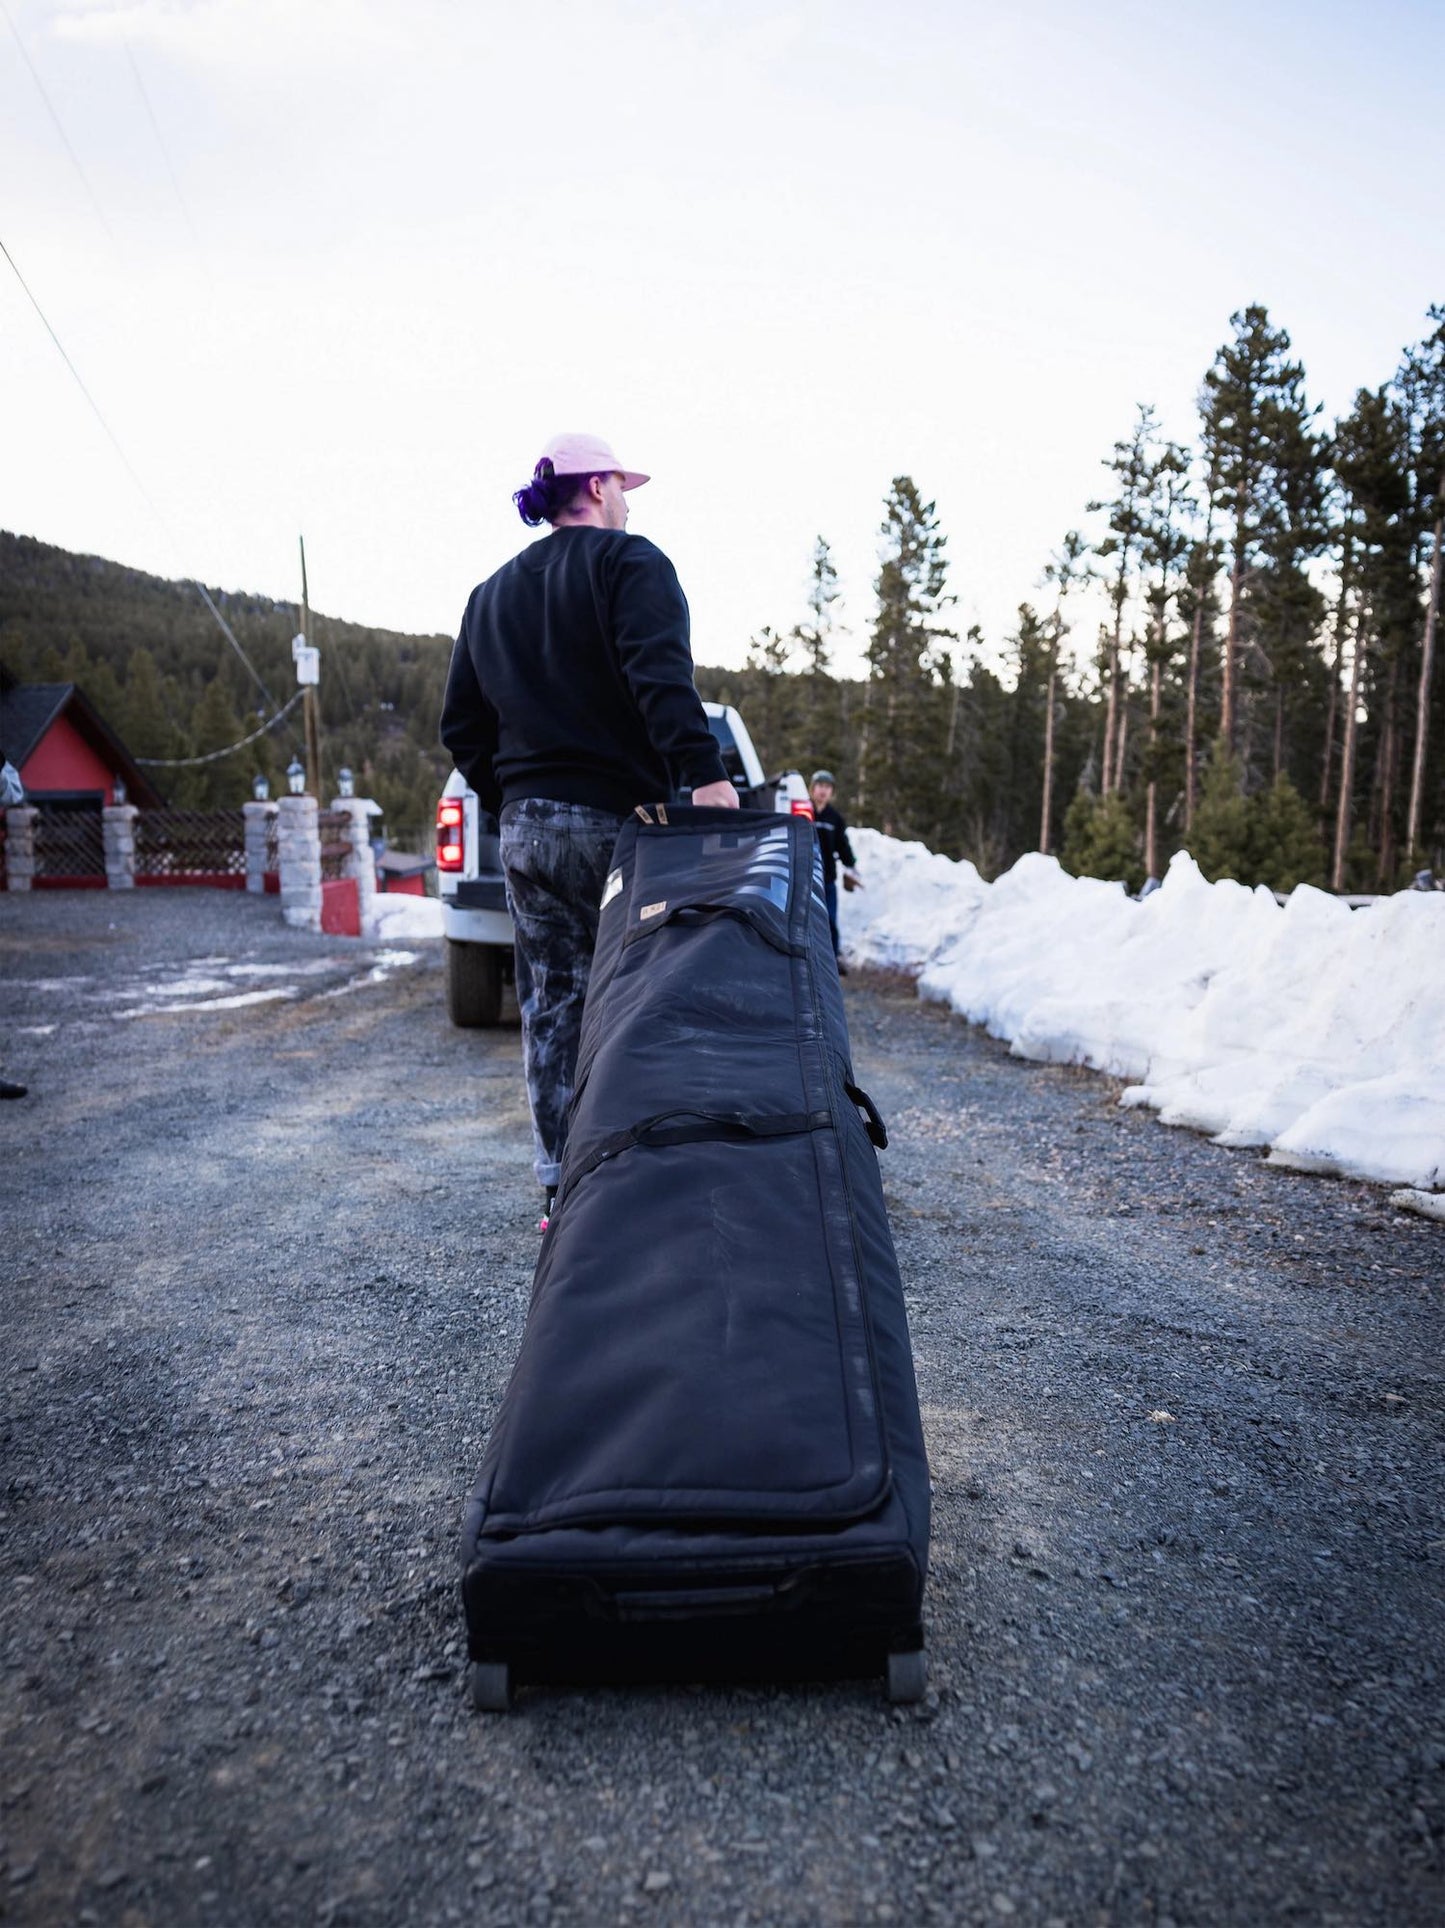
334,829
69,847
191,847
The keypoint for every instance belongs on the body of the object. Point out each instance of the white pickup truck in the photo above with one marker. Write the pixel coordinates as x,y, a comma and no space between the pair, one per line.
478,950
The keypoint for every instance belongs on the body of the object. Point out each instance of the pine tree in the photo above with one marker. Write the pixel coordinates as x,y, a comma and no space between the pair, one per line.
1288,608
820,722
1101,839
814,638
1199,607
1253,410
1168,503
1120,548
1285,848
1421,388
147,723
902,769
1067,571
1222,842
1031,650
1373,464
214,726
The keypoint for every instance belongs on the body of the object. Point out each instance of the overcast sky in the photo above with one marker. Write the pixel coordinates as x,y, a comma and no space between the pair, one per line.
341,266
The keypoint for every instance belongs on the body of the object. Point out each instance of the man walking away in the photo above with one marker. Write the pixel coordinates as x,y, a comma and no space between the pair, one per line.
833,845
570,700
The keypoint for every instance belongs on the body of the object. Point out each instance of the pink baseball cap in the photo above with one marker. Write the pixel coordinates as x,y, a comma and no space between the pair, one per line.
588,455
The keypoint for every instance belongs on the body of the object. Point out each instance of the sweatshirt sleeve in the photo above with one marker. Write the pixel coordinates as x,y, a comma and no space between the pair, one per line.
651,630
469,726
845,849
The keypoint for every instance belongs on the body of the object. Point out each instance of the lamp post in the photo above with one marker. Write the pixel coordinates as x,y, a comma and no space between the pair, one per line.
296,777
260,789
345,782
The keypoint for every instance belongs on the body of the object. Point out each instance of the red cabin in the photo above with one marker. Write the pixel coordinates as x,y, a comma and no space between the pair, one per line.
70,761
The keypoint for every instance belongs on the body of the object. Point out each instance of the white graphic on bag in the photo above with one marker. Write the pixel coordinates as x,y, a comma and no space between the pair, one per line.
652,910
614,889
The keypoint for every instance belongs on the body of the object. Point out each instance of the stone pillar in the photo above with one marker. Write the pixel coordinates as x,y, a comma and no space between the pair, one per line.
20,846
299,847
117,829
361,861
257,818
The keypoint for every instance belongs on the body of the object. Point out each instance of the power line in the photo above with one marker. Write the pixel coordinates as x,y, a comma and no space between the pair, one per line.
146,495
165,154
214,756
59,126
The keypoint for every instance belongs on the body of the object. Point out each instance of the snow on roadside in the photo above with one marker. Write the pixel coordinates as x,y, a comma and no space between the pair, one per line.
1311,1029
399,917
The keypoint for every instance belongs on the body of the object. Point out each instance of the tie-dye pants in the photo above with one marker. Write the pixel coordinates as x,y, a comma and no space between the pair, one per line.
556,858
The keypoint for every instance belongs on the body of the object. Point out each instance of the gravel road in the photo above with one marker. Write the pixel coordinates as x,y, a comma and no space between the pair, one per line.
265,1265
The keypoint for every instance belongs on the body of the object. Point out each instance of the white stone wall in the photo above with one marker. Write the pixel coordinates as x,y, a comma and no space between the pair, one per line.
20,846
361,861
257,817
299,846
117,828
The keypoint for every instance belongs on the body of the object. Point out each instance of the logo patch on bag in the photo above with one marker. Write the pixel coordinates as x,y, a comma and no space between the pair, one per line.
651,910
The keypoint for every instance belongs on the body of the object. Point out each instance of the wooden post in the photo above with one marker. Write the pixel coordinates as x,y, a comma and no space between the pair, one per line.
308,700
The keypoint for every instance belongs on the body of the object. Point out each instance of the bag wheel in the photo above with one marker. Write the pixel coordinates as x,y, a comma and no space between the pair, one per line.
907,1677
490,1683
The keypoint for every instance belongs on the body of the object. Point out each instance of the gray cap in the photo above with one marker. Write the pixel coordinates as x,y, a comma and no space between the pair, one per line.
822,776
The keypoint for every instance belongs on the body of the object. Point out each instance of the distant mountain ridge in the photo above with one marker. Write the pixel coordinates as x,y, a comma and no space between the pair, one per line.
151,657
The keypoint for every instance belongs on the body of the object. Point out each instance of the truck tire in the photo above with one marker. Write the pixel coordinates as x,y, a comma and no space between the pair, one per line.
473,975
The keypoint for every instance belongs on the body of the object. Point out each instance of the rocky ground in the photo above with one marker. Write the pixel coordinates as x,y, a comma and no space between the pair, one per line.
264,1267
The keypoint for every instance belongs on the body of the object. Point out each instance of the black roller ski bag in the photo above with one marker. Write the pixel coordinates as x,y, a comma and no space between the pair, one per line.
708,1462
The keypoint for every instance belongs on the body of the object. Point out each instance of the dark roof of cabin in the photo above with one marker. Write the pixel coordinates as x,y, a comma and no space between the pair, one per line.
27,711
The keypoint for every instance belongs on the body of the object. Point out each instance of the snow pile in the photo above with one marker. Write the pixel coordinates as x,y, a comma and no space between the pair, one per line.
399,917
1312,1029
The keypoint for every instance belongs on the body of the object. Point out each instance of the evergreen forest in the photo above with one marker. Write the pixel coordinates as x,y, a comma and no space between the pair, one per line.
1235,653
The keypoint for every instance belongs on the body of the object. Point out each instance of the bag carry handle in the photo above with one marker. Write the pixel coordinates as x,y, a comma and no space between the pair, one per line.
687,1127
872,1117
690,1603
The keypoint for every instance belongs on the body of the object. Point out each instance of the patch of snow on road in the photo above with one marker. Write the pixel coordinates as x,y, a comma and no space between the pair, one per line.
384,965
235,1002
313,968
1310,1029
191,984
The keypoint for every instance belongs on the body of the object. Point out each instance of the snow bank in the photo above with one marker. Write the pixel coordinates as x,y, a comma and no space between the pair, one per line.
1311,1029
398,917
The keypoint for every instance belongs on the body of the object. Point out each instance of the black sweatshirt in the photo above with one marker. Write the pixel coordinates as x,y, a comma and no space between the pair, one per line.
833,841
572,678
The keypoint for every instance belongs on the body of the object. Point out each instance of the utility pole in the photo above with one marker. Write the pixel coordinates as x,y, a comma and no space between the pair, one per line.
308,700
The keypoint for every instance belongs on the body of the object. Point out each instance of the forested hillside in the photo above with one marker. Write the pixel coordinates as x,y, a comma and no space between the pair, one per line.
158,667
1236,652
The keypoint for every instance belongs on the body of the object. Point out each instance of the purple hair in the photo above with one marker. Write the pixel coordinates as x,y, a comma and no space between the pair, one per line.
548,494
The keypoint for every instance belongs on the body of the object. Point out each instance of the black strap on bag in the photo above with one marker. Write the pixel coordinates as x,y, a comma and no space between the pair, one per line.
872,1117
695,1128
684,1127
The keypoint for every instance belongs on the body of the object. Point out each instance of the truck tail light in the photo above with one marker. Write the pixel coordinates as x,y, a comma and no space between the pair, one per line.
801,808
450,838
